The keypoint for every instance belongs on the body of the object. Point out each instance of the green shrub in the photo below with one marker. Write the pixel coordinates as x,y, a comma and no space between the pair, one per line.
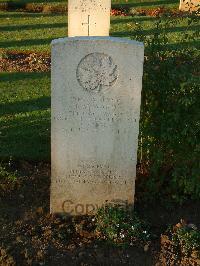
169,145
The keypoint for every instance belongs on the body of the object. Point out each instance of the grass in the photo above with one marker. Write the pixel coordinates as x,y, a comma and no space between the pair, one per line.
35,31
115,3
145,3
25,116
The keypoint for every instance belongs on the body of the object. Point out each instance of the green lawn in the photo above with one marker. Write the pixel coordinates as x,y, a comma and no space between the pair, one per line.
34,31
115,3
145,3
25,116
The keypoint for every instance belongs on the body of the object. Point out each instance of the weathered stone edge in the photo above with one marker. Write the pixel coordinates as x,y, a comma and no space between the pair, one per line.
96,38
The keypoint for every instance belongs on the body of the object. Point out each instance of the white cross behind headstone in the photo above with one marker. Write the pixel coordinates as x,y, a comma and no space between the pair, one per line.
190,5
88,17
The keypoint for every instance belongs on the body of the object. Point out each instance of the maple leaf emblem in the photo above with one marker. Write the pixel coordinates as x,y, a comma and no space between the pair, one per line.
96,71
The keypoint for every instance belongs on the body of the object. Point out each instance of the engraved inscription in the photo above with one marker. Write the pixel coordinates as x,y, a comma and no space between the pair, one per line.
85,173
88,5
96,71
190,5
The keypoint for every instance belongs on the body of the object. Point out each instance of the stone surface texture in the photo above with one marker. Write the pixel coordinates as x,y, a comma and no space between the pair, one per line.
96,71
88,17
96,95
189,5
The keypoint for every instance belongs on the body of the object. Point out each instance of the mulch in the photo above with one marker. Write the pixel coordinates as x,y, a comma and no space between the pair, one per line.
15,61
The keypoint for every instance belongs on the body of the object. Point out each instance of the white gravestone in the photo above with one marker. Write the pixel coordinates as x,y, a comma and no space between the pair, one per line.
190,5
96,95
88,17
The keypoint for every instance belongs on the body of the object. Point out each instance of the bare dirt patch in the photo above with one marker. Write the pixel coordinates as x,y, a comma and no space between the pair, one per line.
16,61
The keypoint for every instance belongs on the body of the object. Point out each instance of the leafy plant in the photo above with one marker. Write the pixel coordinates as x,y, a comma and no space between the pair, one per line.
8,180
120,226
186,237
5,174
170,121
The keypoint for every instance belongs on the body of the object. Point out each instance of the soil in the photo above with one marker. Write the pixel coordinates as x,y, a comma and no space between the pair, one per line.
31,236
15,61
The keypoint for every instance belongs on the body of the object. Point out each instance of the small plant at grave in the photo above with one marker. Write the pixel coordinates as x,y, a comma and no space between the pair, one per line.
121,227
187,237
181,245
8,180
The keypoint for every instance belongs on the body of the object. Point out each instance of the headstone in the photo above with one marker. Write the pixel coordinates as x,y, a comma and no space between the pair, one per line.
96,95
189,5
88,17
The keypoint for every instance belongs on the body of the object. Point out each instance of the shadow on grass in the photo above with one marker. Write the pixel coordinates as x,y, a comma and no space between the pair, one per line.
133,19
11,14
27,42
170,46
25,106
160,31
181,45
25,125
32,27
145,4
11,77
26,137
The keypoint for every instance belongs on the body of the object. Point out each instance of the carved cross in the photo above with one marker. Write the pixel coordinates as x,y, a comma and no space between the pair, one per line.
88,24
88,17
